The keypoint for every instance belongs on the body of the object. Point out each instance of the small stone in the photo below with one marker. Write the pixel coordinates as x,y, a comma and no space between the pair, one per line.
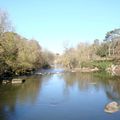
5,81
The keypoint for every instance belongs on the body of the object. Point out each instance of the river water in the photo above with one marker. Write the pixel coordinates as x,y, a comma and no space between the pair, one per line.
61,96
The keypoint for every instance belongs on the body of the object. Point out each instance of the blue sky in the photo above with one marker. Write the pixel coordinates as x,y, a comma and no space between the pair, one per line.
52,22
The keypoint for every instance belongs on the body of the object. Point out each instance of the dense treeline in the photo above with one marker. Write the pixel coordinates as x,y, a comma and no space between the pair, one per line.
98,54
19,55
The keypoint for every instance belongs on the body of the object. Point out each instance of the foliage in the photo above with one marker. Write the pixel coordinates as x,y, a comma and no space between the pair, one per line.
76,57
112,39
19,55
49,56
102,50
100,64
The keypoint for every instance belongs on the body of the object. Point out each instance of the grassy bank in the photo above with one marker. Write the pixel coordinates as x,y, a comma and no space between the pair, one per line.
100,64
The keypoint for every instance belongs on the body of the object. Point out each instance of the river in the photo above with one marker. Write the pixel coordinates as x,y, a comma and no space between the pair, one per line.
61,96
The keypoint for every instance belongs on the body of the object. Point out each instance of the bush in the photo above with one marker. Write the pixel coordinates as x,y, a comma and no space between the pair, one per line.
101,64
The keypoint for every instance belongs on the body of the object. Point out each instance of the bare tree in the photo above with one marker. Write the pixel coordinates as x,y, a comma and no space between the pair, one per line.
5,24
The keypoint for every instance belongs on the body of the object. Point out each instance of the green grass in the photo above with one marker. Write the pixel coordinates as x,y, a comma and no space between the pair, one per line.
101,64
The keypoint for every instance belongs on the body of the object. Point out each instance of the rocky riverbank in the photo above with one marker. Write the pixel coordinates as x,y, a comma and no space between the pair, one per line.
114,70
8,74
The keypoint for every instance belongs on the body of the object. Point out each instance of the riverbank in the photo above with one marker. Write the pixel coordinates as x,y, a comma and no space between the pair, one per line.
98,66
10,74
84,70
88,67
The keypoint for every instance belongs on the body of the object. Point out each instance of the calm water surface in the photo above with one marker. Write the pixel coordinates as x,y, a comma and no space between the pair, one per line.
63,96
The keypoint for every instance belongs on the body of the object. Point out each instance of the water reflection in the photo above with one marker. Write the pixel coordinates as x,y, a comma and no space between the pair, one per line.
60,96
12,95
85,82
112,90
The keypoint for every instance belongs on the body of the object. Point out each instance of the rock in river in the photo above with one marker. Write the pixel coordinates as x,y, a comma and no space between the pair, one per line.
5,81
17,80
112,107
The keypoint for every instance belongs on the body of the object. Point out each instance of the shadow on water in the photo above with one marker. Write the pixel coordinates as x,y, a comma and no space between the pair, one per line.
63,96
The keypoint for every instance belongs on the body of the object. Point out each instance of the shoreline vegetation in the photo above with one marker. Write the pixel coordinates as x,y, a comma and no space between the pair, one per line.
22,56
101,55
19,55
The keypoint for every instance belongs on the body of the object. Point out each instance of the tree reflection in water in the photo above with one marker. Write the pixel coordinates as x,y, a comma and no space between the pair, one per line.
110,84
10,95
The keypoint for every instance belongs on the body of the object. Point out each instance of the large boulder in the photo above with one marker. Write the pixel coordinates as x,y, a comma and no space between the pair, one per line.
112,107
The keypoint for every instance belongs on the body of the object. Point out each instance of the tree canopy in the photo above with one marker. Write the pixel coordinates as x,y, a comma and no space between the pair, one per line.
17,53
